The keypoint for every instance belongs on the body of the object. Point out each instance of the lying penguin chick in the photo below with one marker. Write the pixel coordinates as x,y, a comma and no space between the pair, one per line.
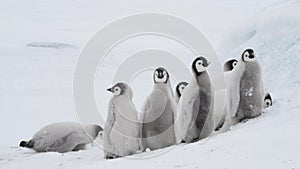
195,108
245,90
268,102
121,135
158,113
179,90
62,137
230,65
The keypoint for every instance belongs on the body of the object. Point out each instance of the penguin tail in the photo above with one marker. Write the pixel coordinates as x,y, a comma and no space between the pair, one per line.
27,144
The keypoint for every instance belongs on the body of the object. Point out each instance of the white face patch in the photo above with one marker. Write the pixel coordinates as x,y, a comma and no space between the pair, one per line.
101,134
199,66
160,80
117,91
267,103
247,58
181,88
234,64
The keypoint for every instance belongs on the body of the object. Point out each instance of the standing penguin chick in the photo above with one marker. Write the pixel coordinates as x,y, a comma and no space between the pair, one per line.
268,102
195,108
179,90
245,90
230,65
62,137
121,131
228,68
158,115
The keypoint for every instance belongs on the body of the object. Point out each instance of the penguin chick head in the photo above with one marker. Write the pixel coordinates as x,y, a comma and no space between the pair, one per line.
230,65
180,87
268,100
118,89
200,65
93,130
248,55
160,75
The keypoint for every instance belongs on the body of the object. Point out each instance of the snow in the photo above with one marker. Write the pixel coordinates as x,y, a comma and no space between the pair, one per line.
36,85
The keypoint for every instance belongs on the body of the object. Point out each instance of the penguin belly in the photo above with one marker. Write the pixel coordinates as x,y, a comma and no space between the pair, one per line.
160,132
124,137
251,96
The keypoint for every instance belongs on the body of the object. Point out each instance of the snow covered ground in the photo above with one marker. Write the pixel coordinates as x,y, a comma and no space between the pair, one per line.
36,85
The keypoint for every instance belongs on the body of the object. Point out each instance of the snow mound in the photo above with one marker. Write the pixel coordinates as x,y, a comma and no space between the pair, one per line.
275,35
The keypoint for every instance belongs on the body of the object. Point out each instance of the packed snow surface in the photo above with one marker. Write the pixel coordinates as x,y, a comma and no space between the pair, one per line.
36,85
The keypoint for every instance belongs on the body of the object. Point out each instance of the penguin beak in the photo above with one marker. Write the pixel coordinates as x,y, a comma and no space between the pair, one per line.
109,89
208,63
160,75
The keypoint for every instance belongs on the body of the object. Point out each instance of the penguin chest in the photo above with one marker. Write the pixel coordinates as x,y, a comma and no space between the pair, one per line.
126,125
250,95
162,120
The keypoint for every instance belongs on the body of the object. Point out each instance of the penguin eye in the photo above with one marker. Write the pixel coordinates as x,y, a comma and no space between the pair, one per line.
164,73
156,73
117,89
234,64
200,62
268,102
246,54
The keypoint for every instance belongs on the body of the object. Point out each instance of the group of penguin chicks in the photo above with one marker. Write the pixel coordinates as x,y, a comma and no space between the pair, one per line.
165,119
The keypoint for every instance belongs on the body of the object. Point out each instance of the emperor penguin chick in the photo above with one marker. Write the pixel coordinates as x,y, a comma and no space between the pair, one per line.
230,65
62,137
195,107
268,101
244,90
179,90
121,131
158,115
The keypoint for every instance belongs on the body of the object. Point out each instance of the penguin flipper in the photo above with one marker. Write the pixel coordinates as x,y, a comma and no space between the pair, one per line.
79,147
109,124
188,112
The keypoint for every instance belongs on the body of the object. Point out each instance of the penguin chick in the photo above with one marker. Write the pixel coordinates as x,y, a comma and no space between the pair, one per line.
195,107
62,137
121,131
179,90
268,101
158,113
230,65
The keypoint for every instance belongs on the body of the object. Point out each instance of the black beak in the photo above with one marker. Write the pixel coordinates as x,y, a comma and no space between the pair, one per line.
109,89
160,75
251,56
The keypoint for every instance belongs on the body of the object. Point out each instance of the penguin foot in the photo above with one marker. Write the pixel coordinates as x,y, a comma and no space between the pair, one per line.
111,157
195,140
